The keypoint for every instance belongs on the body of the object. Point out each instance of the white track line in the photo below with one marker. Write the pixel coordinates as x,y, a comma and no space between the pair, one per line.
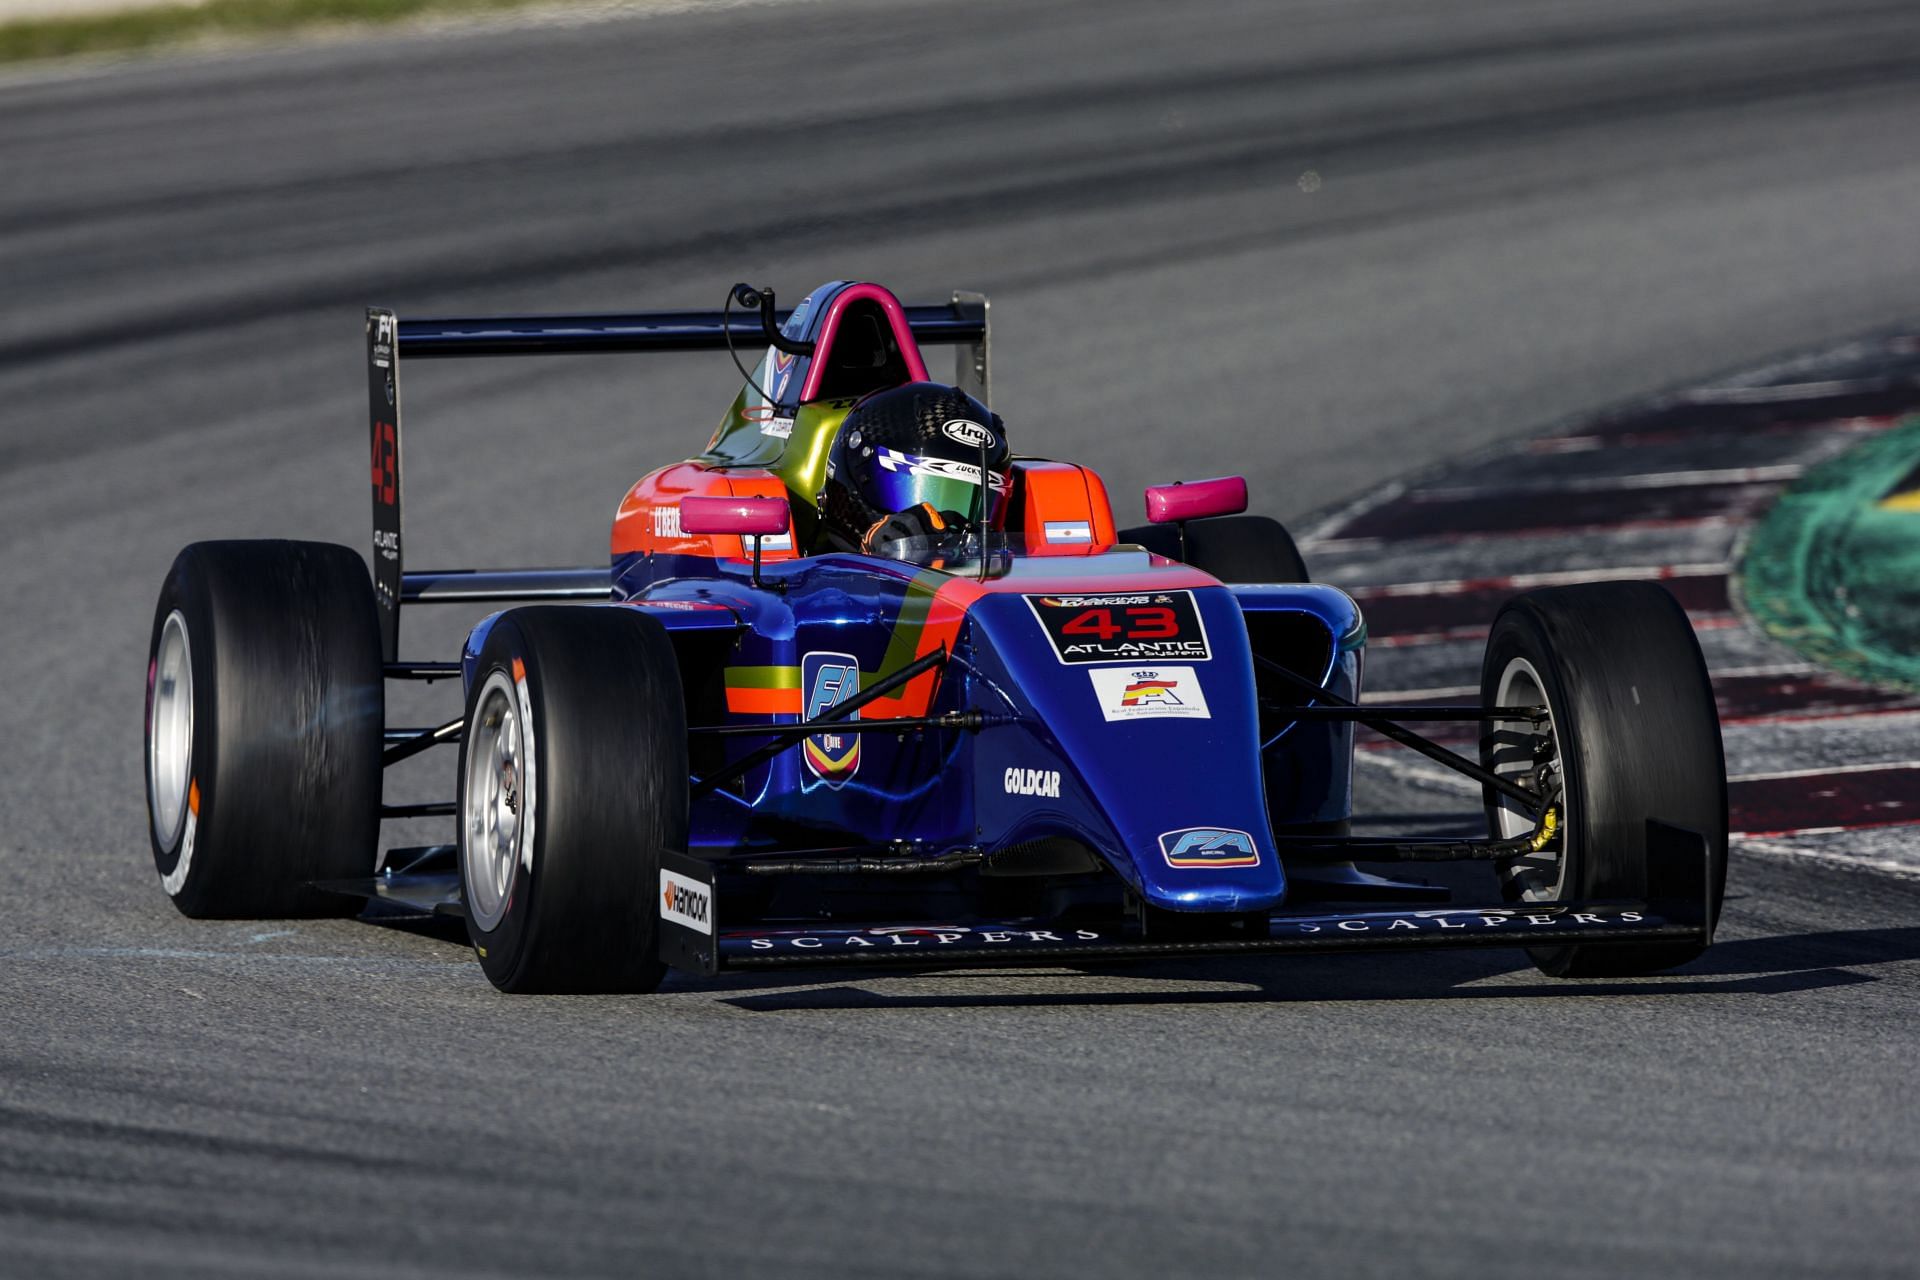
1419,695
1782,393
1346,546
1779,473
1782,775
1766,845
1473,691
1545,578
1437,779
1595,443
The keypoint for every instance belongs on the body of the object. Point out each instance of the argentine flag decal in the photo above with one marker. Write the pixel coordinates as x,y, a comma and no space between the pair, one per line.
1069,531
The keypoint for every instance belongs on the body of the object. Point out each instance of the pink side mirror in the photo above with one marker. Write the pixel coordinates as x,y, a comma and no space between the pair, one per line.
1196,499
748,517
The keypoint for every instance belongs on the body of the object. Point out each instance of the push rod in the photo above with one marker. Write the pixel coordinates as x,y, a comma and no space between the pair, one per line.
1369,849
970,721
421,670
957,861
407,749
1398,711
433,809
1408,738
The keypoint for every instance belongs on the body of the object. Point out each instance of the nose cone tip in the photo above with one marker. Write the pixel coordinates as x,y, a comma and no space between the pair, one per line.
1259,891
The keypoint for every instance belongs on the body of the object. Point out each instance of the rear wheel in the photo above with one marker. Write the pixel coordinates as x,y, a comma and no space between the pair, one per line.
573,777
1232,548
265,701
1631,733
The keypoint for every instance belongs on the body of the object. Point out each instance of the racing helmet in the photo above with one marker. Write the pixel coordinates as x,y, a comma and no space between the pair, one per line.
908,445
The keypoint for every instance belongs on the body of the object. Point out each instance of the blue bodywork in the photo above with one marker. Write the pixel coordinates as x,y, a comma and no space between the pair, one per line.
1180,801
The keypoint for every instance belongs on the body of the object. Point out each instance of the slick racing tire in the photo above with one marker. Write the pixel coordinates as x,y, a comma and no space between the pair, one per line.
265,701
1232,548
1632,734
573,777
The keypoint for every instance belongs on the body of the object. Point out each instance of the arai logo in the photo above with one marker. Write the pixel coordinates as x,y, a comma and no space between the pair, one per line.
968,433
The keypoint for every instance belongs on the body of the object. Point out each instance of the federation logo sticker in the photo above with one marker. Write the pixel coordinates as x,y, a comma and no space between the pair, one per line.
828,680
1139,626
1209,847
1145,693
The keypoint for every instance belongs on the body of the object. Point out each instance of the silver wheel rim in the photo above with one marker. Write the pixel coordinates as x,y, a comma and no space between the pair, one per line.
493,803
1539,876
170,731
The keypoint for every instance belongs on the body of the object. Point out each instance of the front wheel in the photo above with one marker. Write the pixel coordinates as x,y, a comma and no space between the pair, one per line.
573,777
1631,733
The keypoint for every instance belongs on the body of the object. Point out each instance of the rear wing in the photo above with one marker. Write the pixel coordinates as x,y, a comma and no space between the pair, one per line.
960,322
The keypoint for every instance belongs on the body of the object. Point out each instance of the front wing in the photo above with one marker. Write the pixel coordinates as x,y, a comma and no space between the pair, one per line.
1675,910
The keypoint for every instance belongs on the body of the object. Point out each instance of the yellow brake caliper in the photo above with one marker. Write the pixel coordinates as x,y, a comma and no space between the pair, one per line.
1549,826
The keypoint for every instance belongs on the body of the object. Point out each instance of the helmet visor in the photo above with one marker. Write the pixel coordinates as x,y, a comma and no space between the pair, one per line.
898,481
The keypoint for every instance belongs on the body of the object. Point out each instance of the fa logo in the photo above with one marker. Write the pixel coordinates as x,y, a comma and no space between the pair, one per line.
1209,847
829,679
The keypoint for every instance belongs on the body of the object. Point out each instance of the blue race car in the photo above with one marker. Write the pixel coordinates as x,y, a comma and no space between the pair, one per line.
861,686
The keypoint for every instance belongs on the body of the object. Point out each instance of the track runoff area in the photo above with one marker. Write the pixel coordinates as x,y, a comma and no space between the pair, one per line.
1781,507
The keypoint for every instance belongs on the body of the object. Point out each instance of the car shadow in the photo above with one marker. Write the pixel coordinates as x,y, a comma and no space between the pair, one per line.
825,998
1779,965
1838,948
1270,981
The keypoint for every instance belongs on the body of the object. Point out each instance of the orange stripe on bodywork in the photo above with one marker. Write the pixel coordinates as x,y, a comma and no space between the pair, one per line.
937,604
929,620
764,702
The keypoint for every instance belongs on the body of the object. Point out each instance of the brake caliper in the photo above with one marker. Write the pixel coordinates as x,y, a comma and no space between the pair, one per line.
1548,828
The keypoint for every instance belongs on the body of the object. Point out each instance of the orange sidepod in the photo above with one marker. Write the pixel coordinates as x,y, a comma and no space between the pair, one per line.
1062,507
649,516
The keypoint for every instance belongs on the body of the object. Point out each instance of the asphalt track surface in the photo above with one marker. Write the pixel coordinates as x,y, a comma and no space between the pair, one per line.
1521,212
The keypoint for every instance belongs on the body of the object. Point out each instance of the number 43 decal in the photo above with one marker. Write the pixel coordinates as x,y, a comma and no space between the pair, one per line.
386,464
1143,622
1160,626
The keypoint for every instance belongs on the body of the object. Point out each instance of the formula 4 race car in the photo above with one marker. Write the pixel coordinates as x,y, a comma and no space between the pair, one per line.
1057,741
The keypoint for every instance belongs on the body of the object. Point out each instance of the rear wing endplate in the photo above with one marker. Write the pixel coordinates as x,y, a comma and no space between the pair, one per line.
961,322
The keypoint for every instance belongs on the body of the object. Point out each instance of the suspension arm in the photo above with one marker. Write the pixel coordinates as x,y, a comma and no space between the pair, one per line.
1407,738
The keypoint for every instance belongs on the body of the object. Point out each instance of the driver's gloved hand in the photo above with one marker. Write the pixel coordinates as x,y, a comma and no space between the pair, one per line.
889,537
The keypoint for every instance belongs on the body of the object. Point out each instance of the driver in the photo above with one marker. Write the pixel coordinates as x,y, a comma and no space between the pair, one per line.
904,472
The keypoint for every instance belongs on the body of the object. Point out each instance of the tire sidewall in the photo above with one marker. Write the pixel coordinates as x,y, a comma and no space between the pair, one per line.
288,703
1517,634
501,948
184,592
